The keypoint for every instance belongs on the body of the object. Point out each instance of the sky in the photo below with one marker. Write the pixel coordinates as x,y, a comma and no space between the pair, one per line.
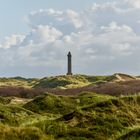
102,35
14,12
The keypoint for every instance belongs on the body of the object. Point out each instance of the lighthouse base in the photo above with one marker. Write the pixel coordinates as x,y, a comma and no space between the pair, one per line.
69,74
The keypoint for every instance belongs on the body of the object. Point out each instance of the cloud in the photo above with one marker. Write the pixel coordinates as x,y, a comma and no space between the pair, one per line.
74,18
103,39
66,21
12,41
135,3
42,34
113,27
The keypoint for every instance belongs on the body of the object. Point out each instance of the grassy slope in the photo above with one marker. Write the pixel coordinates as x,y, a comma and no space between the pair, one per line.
17,81
62,82
81,117
55,82
65,82
86,116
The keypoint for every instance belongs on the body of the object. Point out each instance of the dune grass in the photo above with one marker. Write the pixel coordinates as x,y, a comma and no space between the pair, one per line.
22,133
88,116
85,116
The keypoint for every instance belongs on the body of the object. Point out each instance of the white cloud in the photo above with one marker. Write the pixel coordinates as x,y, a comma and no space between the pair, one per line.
135,3
9,42
113,27
42,34
122,49
103,39
66,21
74,18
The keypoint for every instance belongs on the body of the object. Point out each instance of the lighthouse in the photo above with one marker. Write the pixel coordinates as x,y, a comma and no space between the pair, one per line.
69,64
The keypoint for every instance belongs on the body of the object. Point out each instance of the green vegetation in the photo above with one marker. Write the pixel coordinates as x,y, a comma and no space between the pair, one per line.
17,81
50,104
22,133
65,82
55,82
83,116
133,134
93,116
62,82
5,100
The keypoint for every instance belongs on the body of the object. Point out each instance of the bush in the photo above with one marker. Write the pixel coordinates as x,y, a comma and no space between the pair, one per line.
21,133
